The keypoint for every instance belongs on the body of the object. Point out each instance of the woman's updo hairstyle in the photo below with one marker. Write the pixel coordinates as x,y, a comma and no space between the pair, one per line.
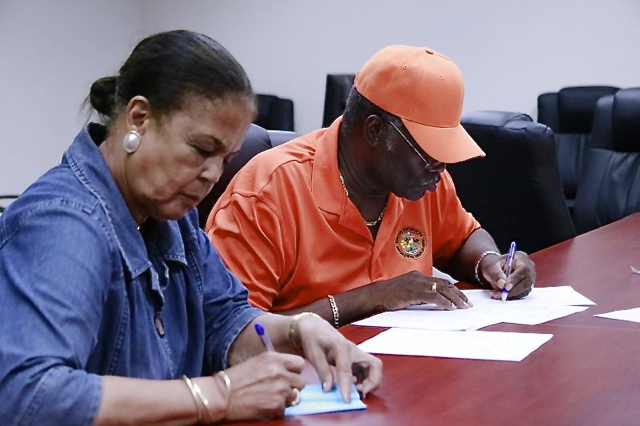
168,67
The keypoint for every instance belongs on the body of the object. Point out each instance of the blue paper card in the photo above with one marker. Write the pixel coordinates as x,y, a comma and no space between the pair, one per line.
314,401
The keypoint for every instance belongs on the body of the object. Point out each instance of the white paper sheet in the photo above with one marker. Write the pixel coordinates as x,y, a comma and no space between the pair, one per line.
542,305
548,296
485,345
457,320
632,315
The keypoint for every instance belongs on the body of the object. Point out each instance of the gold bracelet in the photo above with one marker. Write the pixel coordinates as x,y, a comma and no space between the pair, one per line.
476,271
226,380
292,326
227,385
204,401
195,396
334,309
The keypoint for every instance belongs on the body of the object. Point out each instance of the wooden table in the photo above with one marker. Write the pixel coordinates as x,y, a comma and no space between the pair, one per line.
587,374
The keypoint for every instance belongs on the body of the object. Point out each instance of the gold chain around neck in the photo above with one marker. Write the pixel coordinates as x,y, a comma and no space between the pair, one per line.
373,222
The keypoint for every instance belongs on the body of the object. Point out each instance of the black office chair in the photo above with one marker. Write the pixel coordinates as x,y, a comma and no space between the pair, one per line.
609,187
515,191
256,140
569,113
335,96
5,200
274,113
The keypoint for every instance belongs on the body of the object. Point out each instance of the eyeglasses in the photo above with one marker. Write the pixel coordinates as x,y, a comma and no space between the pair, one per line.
428,163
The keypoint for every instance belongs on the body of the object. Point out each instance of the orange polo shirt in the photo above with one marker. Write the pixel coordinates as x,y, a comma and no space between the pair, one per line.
287,229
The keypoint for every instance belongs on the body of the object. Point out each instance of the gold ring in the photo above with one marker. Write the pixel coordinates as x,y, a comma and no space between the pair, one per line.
434,288
296,397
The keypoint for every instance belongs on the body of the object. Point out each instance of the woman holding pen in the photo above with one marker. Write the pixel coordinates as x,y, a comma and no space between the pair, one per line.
114,306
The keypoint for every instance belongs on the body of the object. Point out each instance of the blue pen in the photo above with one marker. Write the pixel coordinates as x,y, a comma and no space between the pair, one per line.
264,337
512,253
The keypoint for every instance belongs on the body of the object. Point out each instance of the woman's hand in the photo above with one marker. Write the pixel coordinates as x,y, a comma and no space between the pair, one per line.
324,347
262,386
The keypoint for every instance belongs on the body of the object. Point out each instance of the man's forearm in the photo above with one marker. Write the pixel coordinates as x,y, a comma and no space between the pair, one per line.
351,305
462,264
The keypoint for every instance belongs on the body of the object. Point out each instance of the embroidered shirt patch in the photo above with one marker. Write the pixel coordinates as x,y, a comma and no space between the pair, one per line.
410,243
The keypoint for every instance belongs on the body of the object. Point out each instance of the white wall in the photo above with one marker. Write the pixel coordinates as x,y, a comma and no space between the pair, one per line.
50,53
510,52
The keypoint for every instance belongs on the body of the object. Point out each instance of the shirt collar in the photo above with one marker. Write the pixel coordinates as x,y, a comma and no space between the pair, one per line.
330,194
89,166
325,177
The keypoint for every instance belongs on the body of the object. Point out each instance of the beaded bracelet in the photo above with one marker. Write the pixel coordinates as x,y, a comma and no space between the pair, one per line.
477,267
334,309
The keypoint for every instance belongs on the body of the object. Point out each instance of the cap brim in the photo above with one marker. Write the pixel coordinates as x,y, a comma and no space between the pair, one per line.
445,144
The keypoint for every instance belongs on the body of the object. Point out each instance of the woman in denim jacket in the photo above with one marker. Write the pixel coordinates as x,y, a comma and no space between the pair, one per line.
114,307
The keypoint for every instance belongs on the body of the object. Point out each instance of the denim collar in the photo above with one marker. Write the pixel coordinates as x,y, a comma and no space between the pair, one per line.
87,163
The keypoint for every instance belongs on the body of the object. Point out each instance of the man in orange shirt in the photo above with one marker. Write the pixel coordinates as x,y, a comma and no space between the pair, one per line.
349,220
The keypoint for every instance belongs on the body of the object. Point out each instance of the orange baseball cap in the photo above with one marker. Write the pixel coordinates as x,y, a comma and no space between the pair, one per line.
426,90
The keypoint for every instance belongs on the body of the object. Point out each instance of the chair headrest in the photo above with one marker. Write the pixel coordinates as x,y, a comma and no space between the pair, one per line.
335,96
616,124
278,137
625,122
492,118
576,107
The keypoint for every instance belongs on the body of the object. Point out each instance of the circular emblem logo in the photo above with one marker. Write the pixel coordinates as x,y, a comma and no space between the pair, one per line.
410,243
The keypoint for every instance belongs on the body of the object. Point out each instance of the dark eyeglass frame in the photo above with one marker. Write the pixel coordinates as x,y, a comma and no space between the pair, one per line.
428,163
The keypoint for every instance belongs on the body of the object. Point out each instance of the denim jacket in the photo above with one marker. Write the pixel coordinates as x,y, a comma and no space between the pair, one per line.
84,293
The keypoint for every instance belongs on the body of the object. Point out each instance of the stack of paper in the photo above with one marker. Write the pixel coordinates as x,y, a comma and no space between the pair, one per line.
542,305
427,330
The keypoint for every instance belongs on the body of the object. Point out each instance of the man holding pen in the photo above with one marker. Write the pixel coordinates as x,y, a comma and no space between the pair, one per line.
350,220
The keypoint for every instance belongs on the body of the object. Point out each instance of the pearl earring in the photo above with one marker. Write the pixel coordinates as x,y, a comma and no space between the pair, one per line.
131,141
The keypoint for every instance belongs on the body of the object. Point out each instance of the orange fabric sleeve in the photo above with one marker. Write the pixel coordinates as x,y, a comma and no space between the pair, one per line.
451,223
247,234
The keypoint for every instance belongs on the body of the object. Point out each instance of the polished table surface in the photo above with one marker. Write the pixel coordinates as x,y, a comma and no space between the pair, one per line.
587,374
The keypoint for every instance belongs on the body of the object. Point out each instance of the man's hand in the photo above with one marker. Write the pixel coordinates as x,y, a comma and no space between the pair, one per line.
415,288
519,283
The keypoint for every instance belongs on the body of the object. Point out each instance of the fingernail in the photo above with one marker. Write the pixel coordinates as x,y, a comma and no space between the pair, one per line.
509,287
501,283
325,386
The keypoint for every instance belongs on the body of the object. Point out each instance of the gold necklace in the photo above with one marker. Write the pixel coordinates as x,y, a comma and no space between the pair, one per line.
373,222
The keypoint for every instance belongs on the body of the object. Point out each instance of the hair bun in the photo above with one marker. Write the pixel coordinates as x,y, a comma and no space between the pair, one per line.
102,95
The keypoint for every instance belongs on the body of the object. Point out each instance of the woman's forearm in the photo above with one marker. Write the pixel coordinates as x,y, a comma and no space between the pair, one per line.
167,402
